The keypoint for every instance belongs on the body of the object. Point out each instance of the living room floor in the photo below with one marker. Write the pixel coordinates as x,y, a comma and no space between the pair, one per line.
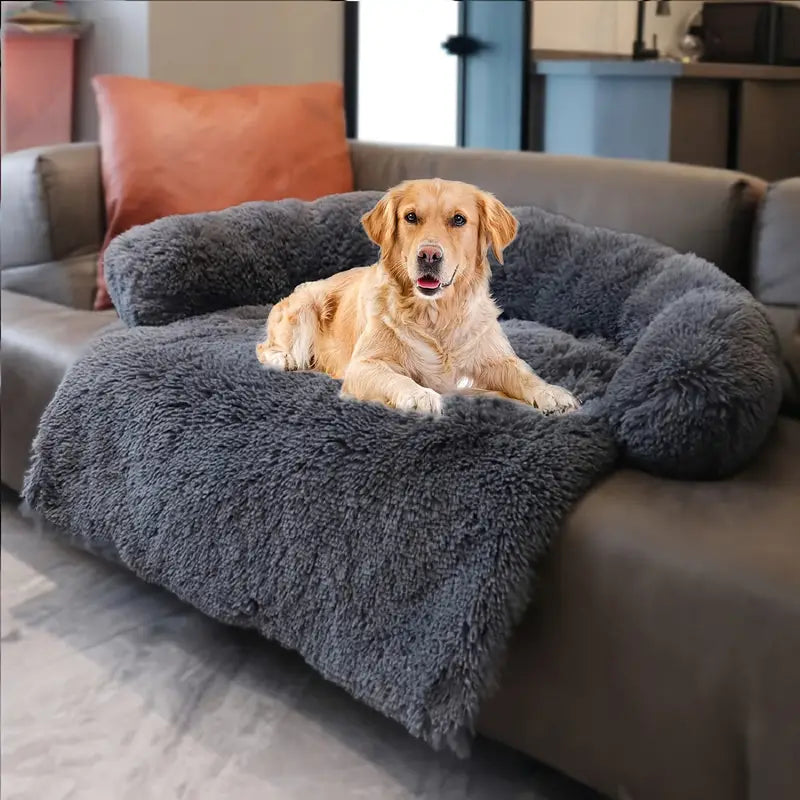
112,687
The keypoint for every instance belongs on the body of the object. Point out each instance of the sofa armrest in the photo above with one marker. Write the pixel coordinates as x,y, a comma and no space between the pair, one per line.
52,204
776,267
786,320
41,340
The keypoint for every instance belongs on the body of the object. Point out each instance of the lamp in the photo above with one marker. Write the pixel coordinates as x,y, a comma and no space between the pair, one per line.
640,51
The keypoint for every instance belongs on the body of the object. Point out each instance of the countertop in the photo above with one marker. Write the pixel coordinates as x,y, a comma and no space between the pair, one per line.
662,68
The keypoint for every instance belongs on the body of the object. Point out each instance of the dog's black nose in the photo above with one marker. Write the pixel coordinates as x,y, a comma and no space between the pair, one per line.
429,255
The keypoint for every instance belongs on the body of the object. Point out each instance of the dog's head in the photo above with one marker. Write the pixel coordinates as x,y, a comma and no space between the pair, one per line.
435,234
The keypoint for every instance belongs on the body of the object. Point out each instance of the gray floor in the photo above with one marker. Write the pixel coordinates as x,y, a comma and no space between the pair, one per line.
113,689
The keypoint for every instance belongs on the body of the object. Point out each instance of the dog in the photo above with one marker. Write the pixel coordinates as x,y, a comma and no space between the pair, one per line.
421,322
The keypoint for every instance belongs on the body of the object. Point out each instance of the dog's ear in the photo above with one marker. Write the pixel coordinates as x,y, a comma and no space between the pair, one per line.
498,224
381,223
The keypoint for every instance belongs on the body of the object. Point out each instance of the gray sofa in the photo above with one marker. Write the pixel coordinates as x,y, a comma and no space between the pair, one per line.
663,659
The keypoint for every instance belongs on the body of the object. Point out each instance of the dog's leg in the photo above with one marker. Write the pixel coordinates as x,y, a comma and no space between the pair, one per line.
513,377
274,358
291,328
378,381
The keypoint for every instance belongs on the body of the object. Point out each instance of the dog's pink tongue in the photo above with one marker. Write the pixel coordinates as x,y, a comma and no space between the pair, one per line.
428,283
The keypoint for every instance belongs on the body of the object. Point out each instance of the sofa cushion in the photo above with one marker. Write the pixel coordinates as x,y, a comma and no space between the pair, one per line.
170,149
68,282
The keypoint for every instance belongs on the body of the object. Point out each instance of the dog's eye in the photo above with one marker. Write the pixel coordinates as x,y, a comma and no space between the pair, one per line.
459,220
411,218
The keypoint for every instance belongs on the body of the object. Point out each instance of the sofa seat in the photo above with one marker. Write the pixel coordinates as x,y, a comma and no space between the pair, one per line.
670,624
40,341
670,610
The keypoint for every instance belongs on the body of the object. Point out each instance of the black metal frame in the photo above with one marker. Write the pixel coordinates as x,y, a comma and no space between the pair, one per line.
462,83
524,136
351,68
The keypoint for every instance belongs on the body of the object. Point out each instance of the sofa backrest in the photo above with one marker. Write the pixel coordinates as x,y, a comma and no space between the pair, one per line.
707,211
53,203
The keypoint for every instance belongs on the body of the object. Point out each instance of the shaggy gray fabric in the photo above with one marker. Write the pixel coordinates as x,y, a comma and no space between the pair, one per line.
255,253
700,385
393,551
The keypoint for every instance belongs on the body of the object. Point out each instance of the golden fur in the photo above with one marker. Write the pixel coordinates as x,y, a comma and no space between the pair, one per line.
386,334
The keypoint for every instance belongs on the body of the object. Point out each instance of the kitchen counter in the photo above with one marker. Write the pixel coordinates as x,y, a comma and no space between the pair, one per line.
735,116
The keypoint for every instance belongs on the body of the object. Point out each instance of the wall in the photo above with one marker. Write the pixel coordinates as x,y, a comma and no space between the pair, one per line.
217,43
575,25
605,26
207,43
116,43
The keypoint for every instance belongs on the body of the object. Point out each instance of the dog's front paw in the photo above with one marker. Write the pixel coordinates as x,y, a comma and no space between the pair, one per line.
425,400
551,399
273,358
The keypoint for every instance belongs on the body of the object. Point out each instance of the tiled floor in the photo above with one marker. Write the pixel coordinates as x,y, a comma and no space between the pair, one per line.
112,689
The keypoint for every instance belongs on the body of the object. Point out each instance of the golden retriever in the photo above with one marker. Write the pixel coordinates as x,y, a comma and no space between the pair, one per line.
421,322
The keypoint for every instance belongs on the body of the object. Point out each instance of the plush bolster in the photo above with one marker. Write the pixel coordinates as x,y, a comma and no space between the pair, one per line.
254,253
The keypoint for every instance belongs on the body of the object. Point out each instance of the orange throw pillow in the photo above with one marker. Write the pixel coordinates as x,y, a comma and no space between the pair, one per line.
168,149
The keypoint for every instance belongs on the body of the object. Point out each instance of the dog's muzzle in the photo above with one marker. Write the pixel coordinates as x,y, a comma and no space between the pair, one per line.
430,285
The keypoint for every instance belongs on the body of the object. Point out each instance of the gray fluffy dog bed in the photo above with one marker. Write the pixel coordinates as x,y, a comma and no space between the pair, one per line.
394,551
